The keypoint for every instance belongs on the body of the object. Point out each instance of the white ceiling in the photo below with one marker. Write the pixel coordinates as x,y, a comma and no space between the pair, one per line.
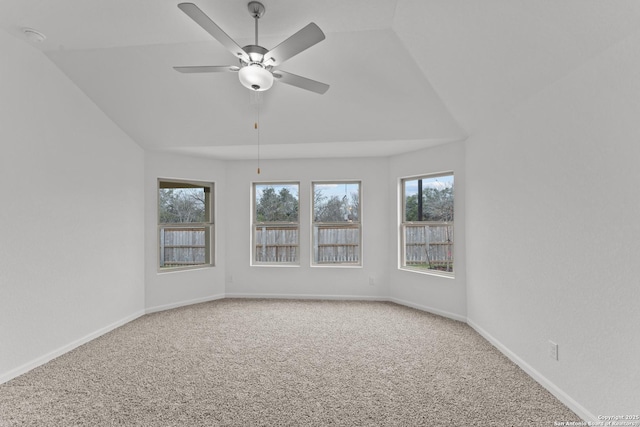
404,74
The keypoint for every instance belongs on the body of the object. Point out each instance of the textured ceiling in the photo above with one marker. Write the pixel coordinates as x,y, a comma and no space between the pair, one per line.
404,74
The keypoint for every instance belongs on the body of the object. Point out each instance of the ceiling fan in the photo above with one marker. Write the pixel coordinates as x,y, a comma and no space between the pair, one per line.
256,69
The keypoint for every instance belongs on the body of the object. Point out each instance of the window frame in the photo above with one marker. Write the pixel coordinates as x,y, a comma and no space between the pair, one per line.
403,223
275,224
336,224
208,226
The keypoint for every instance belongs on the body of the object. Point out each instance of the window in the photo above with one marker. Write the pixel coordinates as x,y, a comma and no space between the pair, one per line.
185,224
427,223
336,223
276,226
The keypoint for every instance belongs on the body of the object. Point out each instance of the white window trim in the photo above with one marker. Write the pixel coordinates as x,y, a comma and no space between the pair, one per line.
402,223
210,225
312,241
255,224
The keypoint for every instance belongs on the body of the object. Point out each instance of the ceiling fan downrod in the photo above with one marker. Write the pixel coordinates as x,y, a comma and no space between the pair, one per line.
256,9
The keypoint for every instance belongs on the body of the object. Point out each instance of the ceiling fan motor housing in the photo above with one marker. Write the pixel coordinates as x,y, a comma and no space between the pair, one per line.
256,54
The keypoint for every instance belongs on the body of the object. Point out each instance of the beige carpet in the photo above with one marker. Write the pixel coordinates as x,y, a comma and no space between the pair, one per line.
282,363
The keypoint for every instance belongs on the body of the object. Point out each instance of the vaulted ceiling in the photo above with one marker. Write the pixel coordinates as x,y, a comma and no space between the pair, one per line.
404,74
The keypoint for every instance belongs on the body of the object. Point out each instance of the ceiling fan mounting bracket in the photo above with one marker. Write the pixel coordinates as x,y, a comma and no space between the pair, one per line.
256,9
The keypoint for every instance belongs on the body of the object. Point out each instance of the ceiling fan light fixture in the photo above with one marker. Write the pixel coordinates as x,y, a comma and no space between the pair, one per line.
255,77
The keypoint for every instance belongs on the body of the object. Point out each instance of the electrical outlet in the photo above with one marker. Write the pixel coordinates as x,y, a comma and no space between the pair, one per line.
372,281
553,350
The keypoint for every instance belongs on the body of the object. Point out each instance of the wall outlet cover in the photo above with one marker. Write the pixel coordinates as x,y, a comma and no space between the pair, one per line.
553,350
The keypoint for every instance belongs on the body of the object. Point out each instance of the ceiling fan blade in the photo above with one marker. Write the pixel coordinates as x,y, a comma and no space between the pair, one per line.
303,39
212,28
301,82
207,69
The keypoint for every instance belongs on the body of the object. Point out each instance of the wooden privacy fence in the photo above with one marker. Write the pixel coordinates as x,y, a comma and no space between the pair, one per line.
426,245
182,246
276,243
336,244
429,245
333,244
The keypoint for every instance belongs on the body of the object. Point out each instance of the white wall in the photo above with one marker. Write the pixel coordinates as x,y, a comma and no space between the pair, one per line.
437,294
71,246
171,289
307,281
547,229
553,233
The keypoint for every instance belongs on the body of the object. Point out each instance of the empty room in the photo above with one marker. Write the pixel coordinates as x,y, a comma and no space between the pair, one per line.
382,212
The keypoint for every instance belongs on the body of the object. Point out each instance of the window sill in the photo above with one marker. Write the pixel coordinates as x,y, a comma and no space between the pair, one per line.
336,265
276,265
182,269
429,272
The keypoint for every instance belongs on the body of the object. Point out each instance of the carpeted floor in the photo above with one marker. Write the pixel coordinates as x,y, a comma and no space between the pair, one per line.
282,363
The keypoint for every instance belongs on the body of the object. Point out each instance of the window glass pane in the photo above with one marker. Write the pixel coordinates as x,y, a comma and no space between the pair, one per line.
185,224
183,246
427,229
276,244
429,199
429,247
276,202
276,237
336,202
336,244
336,223
182,203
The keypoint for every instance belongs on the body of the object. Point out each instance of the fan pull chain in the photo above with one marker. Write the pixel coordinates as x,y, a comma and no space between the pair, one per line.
255,126
256,100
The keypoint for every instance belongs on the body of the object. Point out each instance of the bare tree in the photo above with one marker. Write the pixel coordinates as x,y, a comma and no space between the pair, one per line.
181,205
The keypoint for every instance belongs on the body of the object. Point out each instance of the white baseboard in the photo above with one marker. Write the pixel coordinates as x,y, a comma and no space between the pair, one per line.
563,397
4,377
429,309
307,296
183,303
